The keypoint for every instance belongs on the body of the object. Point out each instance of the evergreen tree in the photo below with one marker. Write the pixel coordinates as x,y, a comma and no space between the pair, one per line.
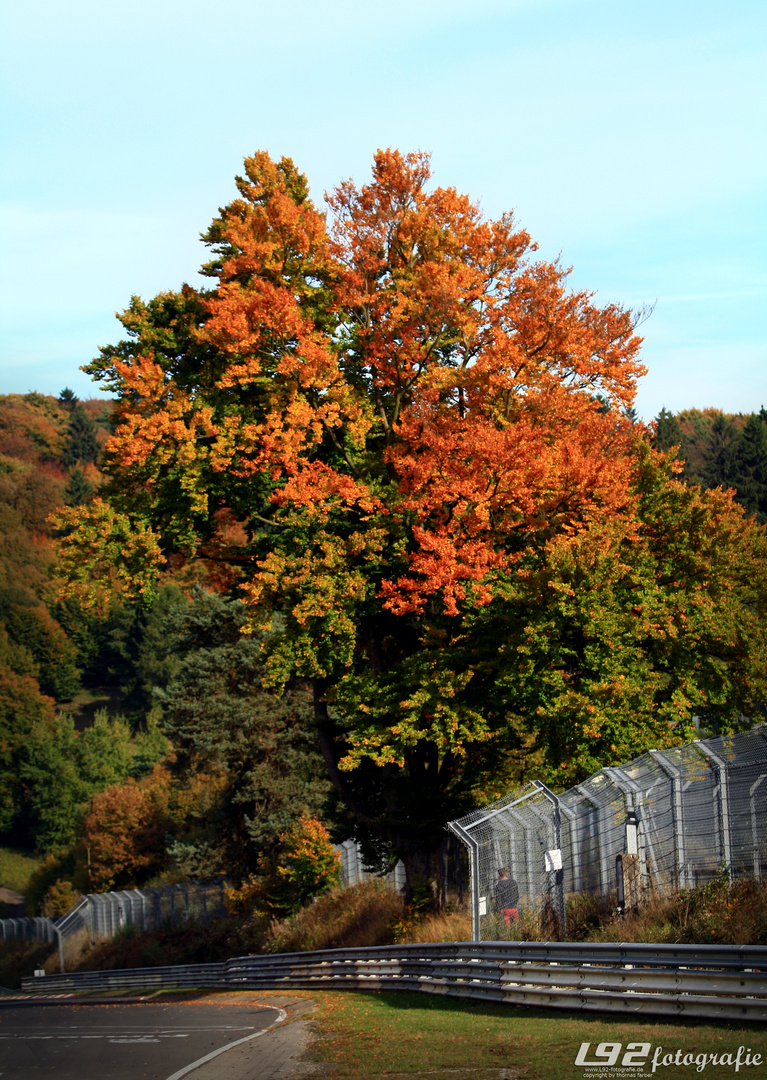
717,457
668,431
54,654
222,720
79,490
133,652
80,444
748,466
68,399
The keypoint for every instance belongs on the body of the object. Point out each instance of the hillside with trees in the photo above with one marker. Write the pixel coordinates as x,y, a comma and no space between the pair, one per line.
89,695
719,449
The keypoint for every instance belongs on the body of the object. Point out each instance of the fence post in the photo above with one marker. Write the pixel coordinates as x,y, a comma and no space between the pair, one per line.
754,830
604,870
724,799
575,850
558,875
675,775
473,847
633,796
60,940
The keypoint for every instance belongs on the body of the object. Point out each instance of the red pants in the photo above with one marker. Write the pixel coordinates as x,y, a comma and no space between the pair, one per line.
510,915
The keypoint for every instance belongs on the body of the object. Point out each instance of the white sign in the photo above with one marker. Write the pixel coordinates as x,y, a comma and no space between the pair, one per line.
553,860
483,905
631,839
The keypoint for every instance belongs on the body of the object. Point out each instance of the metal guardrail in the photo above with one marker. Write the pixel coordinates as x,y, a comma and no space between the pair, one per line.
176,977
715,982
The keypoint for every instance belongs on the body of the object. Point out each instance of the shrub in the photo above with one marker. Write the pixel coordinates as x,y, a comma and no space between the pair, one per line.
60,897
124,832
307,866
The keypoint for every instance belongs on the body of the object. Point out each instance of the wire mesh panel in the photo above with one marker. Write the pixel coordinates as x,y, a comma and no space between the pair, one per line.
683,814
148,909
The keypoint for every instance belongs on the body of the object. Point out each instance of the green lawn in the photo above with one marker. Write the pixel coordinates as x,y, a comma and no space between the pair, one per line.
16,869
415,1036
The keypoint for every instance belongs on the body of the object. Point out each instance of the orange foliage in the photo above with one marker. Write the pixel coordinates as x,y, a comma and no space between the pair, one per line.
124,831
480,373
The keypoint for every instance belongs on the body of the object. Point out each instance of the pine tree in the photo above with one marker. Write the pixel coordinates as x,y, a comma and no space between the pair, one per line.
79,490
222,720
80,445
717,464
668,431
748,466
68,399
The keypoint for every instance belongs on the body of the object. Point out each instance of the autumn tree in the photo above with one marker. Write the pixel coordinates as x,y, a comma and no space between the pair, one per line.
378,428
124,832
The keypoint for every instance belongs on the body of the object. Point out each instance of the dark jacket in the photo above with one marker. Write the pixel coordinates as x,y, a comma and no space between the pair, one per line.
506,894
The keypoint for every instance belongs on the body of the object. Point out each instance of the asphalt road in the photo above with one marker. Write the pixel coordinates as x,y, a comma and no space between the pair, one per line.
135,1041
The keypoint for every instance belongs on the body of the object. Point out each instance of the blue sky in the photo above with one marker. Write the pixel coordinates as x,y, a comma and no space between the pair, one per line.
628,137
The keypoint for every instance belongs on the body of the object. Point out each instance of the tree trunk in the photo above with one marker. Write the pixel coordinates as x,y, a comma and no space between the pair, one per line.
423,884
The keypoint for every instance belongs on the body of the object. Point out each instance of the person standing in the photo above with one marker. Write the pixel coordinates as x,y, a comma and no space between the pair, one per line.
507,897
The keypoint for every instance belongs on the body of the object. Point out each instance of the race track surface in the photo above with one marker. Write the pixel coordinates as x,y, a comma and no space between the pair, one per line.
123,1041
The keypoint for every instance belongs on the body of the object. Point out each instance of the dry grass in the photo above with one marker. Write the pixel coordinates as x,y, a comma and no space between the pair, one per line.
355,917
450,926
717,913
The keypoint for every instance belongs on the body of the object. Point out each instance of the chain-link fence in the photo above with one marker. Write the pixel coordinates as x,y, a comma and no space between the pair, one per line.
102,915
354,870
668,820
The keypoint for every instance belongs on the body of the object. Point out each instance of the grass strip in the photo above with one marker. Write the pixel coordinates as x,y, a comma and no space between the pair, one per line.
409,1036
16,869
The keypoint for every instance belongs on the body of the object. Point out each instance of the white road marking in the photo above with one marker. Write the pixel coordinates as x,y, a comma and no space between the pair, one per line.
281,1018
141,1040
170,1033
113,1037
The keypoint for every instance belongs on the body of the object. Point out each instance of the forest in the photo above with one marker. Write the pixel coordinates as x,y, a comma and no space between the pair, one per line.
367,533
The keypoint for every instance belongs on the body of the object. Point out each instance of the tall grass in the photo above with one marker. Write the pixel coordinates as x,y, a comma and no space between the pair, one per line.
717,913
365,914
